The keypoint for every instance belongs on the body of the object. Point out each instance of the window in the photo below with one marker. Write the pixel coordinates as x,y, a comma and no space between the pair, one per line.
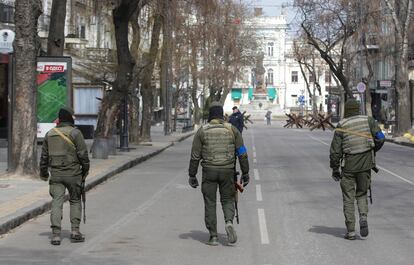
6,13
294,100
328,78
270,49
295,76
269,79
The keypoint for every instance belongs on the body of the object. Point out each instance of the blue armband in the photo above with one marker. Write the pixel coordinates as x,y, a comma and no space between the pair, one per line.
241,151
379,136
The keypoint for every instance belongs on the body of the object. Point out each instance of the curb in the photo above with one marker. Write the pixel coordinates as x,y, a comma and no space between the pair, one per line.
399,143
44,207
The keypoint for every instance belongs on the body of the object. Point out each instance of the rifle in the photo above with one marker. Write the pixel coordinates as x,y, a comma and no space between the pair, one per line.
376,170
239,187
83,195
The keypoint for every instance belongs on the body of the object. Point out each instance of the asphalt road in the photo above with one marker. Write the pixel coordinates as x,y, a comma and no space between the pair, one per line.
291,212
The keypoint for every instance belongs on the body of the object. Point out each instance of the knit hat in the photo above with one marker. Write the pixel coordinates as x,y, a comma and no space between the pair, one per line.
351,108
215,111
65,115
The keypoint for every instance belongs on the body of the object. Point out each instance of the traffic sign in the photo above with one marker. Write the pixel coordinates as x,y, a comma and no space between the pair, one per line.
361,87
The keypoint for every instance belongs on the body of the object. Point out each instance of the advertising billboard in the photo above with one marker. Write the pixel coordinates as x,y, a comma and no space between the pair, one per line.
53,90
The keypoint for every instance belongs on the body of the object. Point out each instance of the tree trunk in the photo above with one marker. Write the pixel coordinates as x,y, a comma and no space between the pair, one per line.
56,38
147,93
403,97
23,143
108,114
110,106
134,120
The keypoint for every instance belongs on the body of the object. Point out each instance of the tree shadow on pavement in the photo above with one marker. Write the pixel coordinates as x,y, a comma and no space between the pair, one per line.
63,234
201,236
333,231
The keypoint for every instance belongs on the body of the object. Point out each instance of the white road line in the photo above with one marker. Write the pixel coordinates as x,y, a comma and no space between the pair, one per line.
254,148
256,174
255,160
395,175
318,140
254,154
259,196
264,236
386,170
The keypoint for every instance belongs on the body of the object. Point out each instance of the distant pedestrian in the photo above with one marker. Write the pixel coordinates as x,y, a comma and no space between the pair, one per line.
65,154
355,142
216,145
236,119
268,117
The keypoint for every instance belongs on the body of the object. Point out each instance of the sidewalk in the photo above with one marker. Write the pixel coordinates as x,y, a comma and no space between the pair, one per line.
23,199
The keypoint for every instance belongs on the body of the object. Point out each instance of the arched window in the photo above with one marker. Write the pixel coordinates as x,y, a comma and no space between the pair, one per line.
269,77
270,49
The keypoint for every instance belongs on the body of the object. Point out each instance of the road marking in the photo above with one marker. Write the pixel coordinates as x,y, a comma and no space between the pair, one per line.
386,170
254,148
259,196
264,236
256,174
254,154
395,175
255,160
318,140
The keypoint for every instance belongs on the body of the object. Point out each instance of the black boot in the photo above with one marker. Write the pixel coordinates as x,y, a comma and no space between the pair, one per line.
76,236
55,239
363,227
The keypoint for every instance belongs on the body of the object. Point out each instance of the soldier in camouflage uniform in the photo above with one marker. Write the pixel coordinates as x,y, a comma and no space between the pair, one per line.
355,142
217,145
65,154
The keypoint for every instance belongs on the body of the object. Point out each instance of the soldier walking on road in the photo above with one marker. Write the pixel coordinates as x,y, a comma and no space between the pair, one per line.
356,140
217,144
64,152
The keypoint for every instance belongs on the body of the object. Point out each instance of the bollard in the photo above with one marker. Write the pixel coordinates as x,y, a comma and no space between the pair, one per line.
100,148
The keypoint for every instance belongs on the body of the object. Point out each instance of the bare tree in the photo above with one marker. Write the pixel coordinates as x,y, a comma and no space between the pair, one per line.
26,45
122,14
147,91
328,26
402,15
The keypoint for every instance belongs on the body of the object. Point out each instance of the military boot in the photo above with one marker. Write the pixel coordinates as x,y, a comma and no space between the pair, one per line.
350,236
213,241
55,239
231,232
363,227
76,236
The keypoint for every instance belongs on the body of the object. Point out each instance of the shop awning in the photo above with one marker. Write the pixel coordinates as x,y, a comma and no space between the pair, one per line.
250,93
236,93
271,93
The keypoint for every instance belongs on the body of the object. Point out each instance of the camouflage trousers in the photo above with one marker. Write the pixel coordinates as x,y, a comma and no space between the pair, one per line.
355,187
223,179
57,189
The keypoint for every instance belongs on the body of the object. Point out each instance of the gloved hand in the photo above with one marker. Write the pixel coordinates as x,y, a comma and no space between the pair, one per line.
192,180
245,179
336,175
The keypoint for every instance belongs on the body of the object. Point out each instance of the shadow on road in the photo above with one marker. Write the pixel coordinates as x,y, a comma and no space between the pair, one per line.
201,236
63,234
333,231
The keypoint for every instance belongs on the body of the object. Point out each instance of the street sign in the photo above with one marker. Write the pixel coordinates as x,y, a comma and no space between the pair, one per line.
6,41
361,87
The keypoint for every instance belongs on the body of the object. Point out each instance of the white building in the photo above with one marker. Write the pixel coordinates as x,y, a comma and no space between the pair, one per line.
284,83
